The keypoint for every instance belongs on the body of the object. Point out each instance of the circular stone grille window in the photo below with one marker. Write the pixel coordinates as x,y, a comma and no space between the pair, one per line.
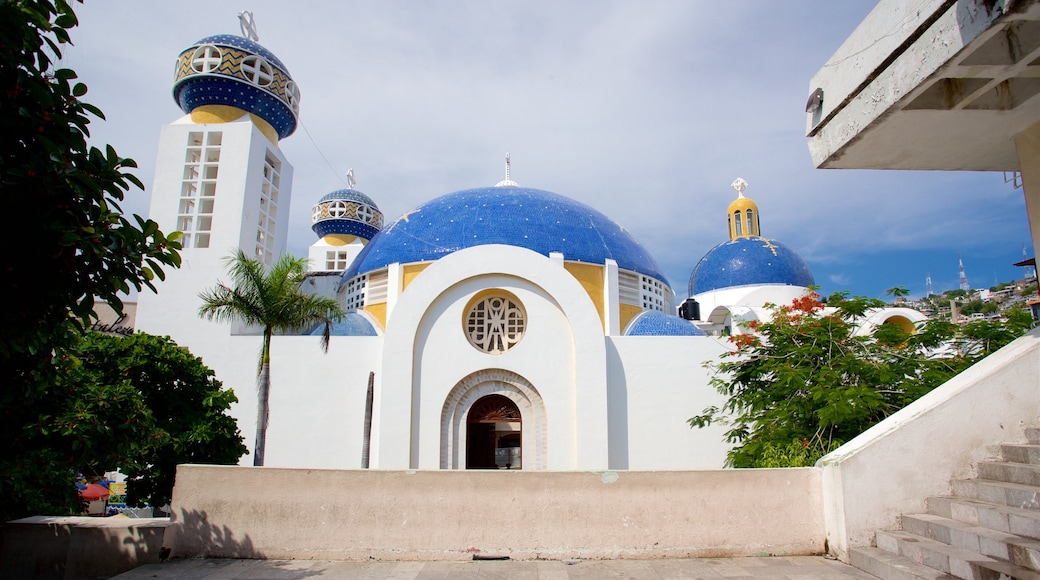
495,324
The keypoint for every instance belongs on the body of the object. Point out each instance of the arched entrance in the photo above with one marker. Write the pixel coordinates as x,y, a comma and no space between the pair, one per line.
494,432
461,405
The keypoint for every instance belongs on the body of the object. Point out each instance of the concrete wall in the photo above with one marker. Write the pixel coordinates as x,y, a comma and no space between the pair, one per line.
273,513
894,466
78,547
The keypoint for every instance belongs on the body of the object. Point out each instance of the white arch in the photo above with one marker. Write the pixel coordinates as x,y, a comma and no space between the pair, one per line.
396,443
493,382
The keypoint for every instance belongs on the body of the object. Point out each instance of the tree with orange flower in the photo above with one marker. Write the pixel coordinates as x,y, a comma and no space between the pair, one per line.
802,383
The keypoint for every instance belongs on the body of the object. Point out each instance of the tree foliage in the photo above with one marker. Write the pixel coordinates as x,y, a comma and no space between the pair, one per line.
270,298
144,404
804,382
71,244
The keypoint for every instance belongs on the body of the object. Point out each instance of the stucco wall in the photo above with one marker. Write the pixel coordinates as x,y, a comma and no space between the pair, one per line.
655,385
424,515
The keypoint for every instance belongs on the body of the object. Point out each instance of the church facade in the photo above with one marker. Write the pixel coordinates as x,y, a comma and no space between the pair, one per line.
499,327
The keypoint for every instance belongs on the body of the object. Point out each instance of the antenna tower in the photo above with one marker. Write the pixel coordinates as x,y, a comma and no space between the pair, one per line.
963,278
1030,271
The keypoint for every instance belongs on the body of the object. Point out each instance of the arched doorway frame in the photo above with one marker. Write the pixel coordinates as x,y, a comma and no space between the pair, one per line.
493,382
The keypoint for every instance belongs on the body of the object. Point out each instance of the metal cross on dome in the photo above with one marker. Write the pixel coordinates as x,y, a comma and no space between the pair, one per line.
351,182
248,26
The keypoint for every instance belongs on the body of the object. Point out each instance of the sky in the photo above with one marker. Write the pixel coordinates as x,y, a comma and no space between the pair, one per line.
646,111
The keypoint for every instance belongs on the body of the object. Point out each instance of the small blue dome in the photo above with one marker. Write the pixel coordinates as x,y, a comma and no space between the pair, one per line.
234,71
517,216
346,211
749,261
353,324
654,323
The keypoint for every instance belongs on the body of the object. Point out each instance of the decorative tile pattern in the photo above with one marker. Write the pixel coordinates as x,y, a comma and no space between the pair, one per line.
652,323
346,211
517,216
747,261
234,71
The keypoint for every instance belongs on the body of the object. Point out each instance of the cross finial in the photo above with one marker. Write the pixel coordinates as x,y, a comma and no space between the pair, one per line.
740,185
351,182
248,26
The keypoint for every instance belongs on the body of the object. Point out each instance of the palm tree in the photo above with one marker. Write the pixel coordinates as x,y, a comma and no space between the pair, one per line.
271,299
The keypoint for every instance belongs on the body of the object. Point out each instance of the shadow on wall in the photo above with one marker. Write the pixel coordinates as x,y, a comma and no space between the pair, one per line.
78,547
193,536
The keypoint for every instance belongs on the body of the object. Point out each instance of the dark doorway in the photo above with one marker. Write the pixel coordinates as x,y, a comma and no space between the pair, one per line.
493,434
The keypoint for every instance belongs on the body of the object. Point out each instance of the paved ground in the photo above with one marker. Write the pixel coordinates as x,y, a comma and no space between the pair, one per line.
800,567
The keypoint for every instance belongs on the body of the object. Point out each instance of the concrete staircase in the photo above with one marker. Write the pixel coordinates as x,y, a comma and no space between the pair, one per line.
988,529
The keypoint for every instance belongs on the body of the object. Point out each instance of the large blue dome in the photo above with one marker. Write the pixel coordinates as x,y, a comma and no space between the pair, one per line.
517,216
234,71
746,261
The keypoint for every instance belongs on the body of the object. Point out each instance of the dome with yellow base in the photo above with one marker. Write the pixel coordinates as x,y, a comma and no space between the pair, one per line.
231,71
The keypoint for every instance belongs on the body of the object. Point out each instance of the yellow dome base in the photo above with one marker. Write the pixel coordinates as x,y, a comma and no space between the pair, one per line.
212,114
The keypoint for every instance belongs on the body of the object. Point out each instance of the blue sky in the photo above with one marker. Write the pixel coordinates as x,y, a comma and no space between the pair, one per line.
646,111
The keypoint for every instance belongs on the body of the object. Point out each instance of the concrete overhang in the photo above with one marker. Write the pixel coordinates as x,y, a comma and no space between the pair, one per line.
936,84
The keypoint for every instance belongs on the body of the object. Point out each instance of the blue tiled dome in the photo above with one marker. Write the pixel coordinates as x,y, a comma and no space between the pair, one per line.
746,261
217,77
353,324
517,216
346,211
654,323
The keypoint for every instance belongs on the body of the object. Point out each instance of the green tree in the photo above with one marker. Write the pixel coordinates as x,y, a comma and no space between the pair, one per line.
143,404
270,298
803,383
72,245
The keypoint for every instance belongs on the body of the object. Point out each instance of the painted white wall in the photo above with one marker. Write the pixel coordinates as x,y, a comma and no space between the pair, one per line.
317,400
750,295
656,384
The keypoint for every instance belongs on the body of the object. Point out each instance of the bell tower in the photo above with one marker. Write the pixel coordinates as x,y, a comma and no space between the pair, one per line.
220,177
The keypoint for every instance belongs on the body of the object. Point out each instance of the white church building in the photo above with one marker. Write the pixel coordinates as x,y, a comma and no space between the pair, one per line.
499,327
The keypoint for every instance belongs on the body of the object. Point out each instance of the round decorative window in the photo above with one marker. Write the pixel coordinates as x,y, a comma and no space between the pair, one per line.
257,70
205,59
495,323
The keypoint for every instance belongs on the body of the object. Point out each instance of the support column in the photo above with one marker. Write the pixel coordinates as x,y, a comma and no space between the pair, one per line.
1027,147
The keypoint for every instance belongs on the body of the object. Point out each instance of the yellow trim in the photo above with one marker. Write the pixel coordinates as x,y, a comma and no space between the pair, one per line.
212,114
411,271
340,239
628,312
378,311
590,276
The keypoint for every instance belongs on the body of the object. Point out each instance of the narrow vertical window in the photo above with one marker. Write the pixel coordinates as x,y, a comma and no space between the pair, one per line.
738,222
751,230
198,188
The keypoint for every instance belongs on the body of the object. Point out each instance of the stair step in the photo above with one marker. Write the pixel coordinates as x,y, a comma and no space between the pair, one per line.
1017,550
1023,473
947,559
1033,435
884,564
998,492
1021,453
1002,518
